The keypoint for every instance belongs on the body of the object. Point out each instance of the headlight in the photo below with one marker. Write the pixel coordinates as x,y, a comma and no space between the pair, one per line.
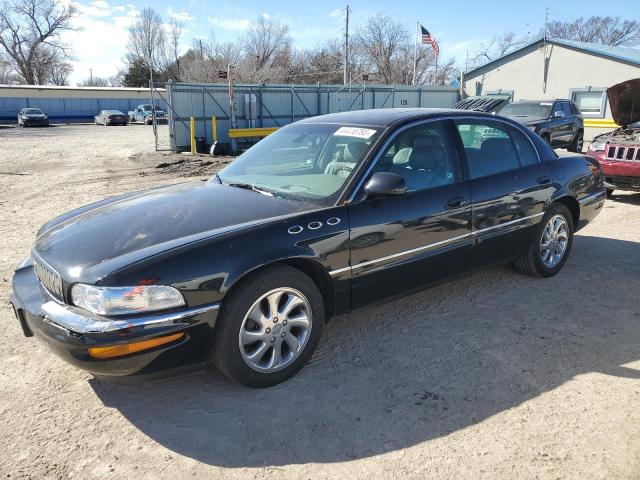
45,117
533,128
125,300
597,146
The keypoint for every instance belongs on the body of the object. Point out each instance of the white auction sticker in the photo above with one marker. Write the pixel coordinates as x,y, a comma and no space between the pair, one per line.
355,132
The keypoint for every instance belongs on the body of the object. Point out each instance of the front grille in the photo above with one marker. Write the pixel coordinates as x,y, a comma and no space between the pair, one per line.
629,154
48,277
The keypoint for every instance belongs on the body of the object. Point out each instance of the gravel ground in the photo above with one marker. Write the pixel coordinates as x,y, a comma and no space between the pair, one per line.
496,375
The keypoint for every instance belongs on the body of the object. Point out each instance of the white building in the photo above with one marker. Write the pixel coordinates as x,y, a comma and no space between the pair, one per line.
544,70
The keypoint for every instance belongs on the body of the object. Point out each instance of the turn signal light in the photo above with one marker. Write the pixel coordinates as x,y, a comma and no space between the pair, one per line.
127,348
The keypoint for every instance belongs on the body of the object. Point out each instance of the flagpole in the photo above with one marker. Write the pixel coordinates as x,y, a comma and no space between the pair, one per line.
415,53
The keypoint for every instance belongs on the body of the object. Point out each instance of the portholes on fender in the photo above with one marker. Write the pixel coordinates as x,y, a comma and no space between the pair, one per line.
333,221
295,229
314,225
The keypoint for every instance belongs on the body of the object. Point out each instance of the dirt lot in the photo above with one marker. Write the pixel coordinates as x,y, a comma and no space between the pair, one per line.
497,375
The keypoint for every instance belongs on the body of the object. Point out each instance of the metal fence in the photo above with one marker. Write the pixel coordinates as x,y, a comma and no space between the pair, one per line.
258,106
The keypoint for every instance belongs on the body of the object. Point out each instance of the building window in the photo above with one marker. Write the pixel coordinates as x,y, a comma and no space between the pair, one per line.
590,101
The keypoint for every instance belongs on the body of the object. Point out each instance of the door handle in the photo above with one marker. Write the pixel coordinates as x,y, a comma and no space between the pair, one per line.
457,202
544,179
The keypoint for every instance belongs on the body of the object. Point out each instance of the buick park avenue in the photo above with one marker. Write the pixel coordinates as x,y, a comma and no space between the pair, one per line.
324,216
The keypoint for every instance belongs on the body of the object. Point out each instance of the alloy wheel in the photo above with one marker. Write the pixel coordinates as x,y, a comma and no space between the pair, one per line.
275,330
554,241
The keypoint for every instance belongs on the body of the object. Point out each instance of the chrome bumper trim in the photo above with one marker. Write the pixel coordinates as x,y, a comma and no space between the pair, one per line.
77,320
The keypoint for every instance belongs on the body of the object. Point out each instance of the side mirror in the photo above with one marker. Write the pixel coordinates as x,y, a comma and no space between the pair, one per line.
385,184
558,114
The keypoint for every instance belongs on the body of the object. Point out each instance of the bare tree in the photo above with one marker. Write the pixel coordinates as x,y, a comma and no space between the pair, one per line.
267,50
31,30
173,46
148,40
606,30
382,41
497,47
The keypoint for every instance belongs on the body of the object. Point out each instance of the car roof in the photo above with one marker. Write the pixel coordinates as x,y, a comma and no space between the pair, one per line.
384,117
551,100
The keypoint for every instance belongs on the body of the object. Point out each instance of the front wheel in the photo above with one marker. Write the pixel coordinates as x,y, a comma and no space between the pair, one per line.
269,327
550,246
577,144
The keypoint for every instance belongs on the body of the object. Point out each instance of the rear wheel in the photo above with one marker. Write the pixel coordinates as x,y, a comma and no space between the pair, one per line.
268,328
609,192
550,247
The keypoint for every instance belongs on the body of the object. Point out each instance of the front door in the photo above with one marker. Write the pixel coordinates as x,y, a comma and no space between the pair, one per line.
404,242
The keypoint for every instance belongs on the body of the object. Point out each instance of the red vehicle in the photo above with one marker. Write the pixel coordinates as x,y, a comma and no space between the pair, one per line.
619,151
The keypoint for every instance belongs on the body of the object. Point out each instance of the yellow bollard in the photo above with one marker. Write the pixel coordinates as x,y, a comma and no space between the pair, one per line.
214,128
192,127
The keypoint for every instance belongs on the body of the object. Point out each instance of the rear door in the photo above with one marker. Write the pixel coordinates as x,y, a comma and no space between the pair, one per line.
507,193
404,242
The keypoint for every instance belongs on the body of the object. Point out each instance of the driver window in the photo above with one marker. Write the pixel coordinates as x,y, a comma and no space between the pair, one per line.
421,155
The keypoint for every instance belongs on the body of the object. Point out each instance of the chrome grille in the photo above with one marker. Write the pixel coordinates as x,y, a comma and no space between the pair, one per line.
48,277
622,153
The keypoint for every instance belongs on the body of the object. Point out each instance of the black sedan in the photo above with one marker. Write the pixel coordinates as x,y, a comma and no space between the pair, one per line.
110,117
324,216
32,117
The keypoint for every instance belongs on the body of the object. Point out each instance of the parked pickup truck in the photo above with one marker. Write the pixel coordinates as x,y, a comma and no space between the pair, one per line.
144,114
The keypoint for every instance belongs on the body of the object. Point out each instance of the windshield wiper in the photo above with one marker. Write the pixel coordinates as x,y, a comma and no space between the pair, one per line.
249,186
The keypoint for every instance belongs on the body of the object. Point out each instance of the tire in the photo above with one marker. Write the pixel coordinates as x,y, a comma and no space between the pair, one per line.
610,192
532,262
284,284
578,143
547,138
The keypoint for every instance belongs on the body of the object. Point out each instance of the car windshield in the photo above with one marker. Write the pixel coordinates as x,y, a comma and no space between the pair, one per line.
526,109
113,112
305,161
32,111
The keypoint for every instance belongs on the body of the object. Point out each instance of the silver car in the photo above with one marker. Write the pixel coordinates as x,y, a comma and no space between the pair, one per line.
110,117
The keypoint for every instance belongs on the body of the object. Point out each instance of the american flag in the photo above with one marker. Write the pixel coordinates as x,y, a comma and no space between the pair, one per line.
427,38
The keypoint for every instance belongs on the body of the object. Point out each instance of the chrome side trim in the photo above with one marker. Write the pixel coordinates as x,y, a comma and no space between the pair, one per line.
432,245
506,224
77,320
592,196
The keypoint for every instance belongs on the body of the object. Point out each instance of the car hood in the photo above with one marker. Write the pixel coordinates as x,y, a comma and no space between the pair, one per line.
624,100
34,115
527,119
112,234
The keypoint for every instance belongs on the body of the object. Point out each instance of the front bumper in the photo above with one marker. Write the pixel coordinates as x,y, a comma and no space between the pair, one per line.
623,174
70,331
35,122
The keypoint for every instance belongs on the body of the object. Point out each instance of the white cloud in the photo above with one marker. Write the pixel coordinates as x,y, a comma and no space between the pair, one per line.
180,16
229,24
337,13
99,43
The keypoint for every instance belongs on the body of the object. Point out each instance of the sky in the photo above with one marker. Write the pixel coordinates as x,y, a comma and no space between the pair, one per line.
459,26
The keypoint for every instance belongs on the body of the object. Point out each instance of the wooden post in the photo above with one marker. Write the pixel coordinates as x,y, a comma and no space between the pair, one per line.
192,133
214,128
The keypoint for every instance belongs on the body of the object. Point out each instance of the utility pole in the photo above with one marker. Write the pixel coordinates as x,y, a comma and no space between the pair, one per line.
346,47
546,20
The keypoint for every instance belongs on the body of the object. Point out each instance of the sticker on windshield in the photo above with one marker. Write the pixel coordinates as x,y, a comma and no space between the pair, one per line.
355,132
